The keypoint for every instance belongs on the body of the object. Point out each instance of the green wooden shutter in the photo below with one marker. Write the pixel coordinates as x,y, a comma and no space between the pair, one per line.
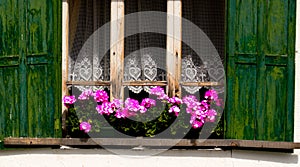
30,53
260,69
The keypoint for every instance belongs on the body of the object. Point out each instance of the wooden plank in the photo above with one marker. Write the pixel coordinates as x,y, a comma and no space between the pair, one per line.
38,60
89,83
40,122
296,91
170,49
22,70
145,83
276,26
117,49
2,107
149,142
276,61
38,25
275,113
230,49
32,141
174,13
9,61
141,83
57,51
9,112
260,111
245,58
241,70
177,44
201,84
43,81
64,63
245,26
276,72
289,135
10,27
243,100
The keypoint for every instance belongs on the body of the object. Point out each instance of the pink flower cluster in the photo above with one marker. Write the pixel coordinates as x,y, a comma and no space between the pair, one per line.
100,96
85,94
85,126
213,96
200,111
174,101
125,109
105,108
68,100
159,92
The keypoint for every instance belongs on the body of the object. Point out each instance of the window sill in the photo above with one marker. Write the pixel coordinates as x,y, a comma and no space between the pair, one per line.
147,142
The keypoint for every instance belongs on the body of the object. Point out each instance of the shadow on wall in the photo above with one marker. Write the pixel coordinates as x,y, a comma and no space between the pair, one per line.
289,158
260,156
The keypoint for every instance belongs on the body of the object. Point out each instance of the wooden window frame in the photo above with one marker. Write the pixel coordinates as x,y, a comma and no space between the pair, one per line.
174,31
174,47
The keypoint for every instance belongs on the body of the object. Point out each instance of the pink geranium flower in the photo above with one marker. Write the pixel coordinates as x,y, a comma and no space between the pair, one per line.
201,112
190,101
159,92
143,109
204,104
132,105
117,103
211,94
105,108
175,100
68,100
124,113
120,114
85,126
85,94
211,115
148,103
175,110
197,124
100,96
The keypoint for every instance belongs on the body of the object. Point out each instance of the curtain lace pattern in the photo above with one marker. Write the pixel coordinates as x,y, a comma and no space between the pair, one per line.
141,64
135,71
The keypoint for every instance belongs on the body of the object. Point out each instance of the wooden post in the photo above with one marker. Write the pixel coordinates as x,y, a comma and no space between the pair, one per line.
297,78
65,55
117,49
174,10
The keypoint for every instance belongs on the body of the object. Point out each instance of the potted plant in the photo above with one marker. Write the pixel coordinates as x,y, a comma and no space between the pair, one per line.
93,110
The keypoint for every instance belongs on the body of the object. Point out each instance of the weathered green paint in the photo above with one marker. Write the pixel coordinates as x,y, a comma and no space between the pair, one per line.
30,68
246,26
9,102
9,27
243,86
57,45
291,71
276,26
274,115
260,69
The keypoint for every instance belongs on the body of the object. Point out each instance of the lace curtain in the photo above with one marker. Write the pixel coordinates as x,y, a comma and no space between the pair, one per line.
87,58
145,56
209,16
